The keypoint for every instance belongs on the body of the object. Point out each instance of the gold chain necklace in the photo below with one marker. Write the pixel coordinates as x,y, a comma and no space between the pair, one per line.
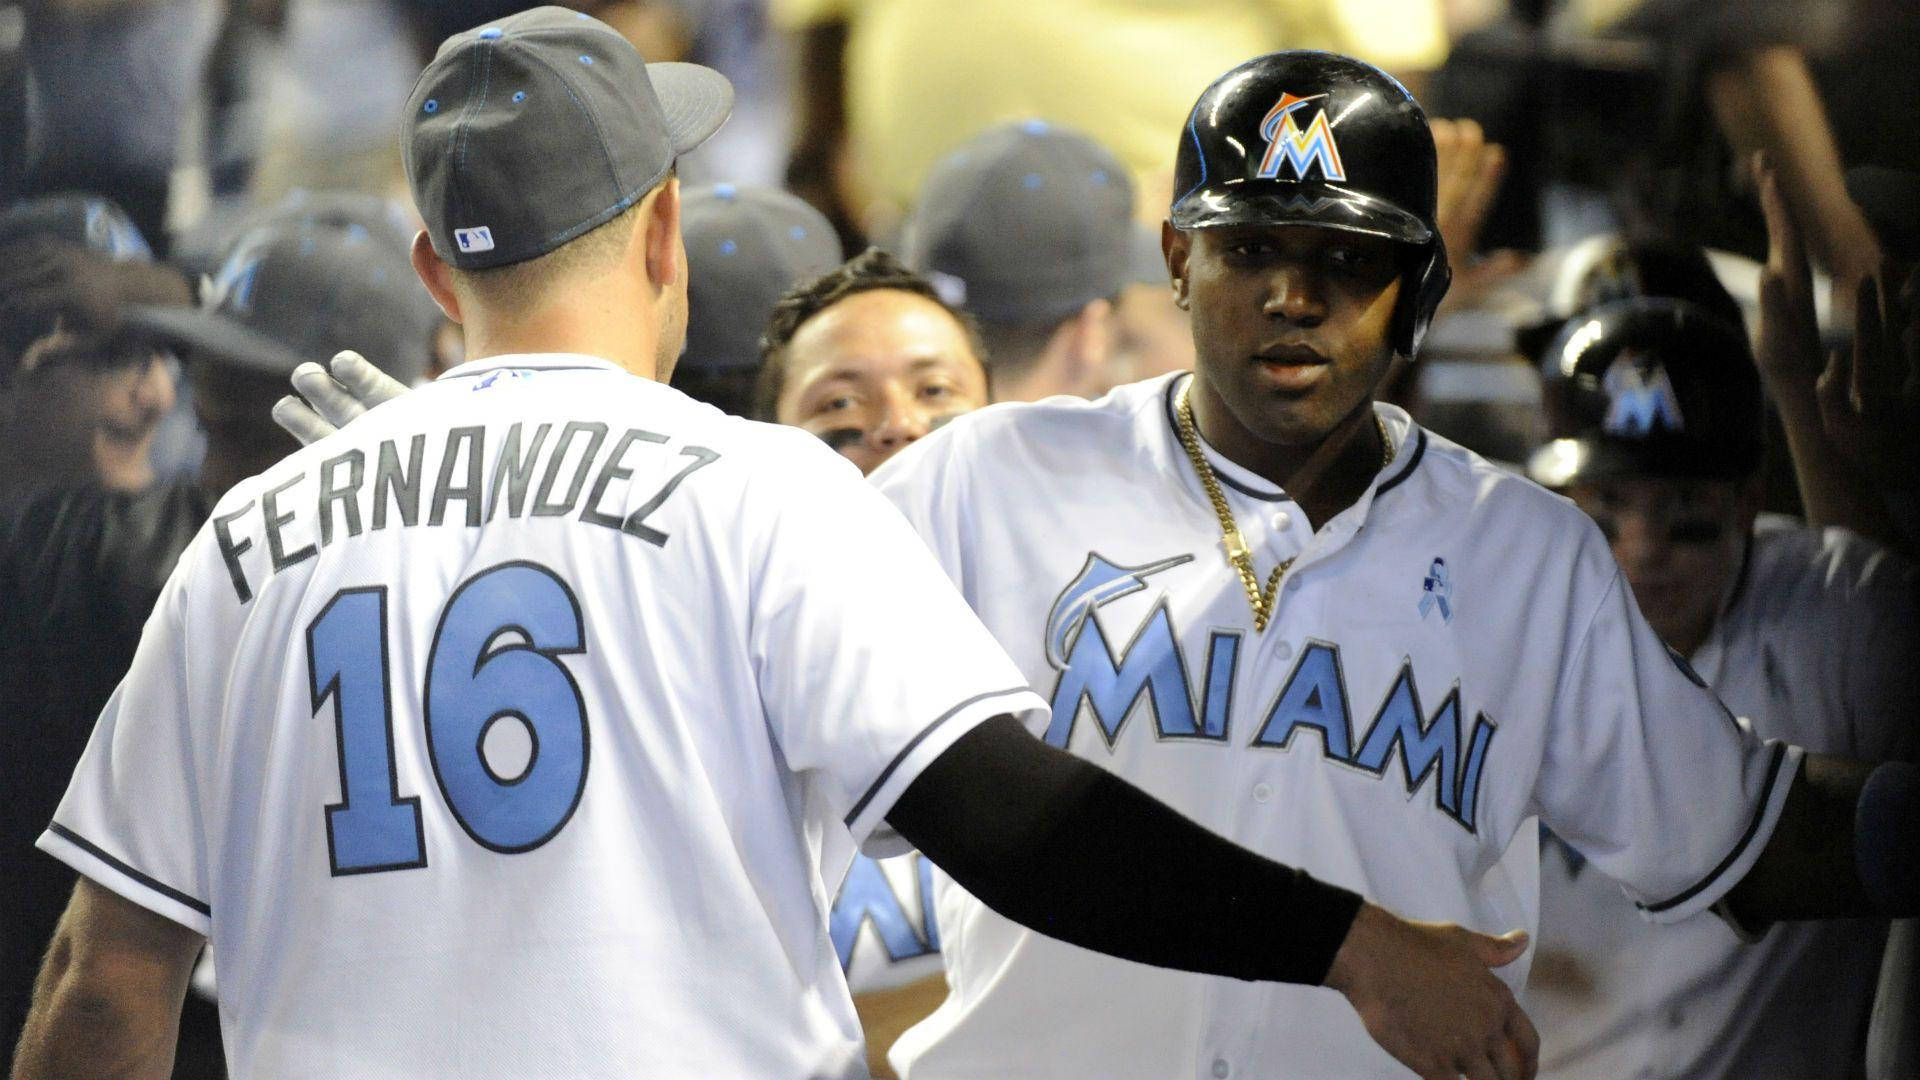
1261,600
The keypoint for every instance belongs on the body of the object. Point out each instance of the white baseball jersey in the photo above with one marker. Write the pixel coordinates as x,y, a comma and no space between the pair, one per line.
513,730
1816,645
1453,656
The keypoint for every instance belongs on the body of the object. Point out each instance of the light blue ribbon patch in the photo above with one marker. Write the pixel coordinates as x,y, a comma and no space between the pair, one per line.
1436,591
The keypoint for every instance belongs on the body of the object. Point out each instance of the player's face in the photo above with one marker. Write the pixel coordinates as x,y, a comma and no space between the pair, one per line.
85,419
1680,543
877,371
1291,324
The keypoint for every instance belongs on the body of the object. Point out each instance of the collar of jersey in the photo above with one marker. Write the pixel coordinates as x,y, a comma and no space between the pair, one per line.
532,362
1409,444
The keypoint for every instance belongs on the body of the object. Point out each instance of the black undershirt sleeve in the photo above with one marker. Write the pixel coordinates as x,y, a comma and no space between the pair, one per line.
1074,852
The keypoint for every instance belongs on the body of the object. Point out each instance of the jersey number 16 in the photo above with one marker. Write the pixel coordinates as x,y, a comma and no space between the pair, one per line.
495,655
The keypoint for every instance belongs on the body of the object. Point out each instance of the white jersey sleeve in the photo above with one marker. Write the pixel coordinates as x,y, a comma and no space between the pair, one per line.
1637,742
870,664
130,819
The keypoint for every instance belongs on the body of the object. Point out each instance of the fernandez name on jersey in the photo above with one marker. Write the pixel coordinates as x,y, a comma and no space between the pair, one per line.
342,496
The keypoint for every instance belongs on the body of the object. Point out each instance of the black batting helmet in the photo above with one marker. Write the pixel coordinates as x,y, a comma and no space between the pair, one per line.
1649,387
1315,138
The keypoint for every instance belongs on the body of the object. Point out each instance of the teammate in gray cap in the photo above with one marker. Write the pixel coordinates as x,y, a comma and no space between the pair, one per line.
1029,227
746,246
513,730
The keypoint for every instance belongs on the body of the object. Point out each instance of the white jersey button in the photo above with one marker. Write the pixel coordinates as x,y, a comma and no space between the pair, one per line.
1221,1069
1281,520
1262,792
1293,584
1282,651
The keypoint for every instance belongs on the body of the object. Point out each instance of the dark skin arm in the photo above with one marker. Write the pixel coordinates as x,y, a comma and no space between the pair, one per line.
107,1003
1807,869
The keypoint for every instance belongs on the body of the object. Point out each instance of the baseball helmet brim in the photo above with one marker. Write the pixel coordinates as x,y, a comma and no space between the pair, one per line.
1322,205
1563,462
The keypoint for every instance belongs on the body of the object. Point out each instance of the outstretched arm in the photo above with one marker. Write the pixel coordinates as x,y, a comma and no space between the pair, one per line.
107,1002
1078,854
1845,847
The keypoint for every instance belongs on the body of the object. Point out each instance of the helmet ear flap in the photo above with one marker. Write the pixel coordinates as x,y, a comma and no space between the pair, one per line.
1424,278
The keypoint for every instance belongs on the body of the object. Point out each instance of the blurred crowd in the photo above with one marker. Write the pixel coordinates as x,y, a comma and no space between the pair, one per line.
921,209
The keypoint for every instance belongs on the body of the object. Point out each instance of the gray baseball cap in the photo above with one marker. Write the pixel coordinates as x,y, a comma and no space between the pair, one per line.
746,246
527,132
1026,222
201,248
88,220
289,294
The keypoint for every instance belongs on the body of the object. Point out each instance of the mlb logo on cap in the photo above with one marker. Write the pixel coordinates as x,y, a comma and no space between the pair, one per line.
478,238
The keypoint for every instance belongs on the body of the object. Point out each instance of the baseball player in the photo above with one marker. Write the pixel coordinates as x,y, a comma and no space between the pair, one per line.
1808,634
512,731
1323,631
1029,228
870,357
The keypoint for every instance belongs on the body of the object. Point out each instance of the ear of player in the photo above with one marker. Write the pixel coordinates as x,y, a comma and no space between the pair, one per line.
1314,138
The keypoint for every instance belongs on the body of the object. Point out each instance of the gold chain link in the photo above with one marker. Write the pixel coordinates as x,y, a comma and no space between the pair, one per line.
1261,600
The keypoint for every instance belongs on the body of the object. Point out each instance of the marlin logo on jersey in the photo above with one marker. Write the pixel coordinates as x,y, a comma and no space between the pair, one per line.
1108,686
1297,148
1640,398
1099,582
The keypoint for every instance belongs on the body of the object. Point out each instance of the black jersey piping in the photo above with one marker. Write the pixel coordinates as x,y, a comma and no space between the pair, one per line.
155,884
1413,462
1753,827
1173,421
886,773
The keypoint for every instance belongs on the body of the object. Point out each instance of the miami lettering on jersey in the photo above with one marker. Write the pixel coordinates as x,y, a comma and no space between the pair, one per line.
1106,684
867,896
1299,149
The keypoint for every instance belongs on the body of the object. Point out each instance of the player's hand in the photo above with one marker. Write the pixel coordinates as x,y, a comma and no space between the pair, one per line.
1470,170
330,398
1787,349
1870,392
1425,994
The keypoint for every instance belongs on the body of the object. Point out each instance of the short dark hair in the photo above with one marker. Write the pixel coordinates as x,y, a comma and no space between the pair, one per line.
870,270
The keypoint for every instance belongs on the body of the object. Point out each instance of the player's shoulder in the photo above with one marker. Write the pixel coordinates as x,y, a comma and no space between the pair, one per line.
1055,432
1790,557
1448,478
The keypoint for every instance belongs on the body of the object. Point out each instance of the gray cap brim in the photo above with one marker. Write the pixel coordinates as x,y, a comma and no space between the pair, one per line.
1298,204
216,337
694,101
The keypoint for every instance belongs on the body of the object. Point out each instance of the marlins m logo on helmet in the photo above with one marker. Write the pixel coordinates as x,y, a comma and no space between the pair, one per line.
1640,397
1288,144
